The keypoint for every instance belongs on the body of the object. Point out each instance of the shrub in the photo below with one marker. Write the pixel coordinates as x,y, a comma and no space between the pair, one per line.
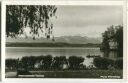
46,62
11,63
58,62
75,62
102,63
119,63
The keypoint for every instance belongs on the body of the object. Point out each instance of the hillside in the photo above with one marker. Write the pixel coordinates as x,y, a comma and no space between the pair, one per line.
64,39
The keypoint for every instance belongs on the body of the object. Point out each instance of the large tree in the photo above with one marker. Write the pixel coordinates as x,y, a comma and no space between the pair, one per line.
119,39
113,34
36,17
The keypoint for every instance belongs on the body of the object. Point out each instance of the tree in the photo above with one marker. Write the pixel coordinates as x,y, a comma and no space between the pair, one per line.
119,63
59,61
36,17
105,42
46,62
113,34
11,63
119,39
28,62
75,62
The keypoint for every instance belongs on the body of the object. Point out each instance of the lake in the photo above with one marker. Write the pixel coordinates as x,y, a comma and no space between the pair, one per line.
19,52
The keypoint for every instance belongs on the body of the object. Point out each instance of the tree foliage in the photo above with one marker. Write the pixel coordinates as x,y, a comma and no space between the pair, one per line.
36,17
28,62
119,63
58,62
113,34
75,62
102,63
11,63
45,62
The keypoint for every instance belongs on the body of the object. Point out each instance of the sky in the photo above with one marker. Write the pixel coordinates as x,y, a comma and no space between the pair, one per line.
88,21
84,20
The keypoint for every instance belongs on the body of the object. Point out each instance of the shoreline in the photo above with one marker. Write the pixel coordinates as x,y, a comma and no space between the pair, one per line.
58,47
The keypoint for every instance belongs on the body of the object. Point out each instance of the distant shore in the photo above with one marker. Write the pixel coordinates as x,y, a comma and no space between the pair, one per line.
23,44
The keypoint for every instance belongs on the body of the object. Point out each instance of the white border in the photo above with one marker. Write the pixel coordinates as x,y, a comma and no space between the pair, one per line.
62,2
127,34
125,75
2,41
56,2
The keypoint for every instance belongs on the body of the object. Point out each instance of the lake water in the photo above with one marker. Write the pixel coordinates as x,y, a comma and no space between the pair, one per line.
19,52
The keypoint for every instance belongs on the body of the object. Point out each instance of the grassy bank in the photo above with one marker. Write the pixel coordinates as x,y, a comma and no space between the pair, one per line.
106,74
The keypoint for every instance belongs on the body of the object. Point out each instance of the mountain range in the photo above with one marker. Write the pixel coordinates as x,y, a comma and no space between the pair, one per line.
63,39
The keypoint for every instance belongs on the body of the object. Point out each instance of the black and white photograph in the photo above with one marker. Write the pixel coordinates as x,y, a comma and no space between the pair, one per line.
64,41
